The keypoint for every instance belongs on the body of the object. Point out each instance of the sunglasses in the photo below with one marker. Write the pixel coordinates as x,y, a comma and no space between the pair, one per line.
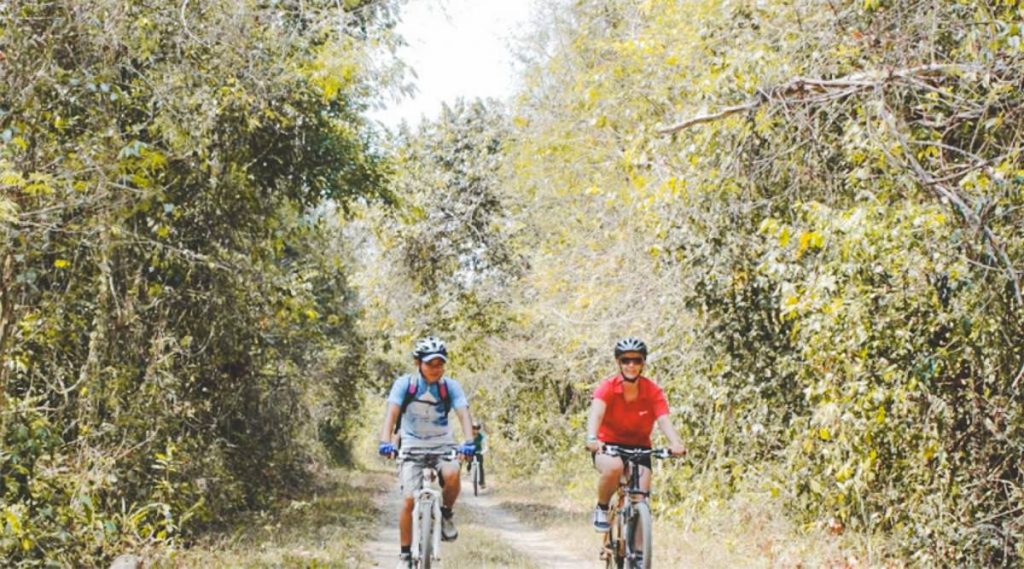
628,361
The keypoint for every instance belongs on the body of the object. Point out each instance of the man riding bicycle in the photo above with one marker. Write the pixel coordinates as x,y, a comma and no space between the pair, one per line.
419,403
623,413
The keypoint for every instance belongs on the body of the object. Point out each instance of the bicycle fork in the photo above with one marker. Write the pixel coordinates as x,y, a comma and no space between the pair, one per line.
430,499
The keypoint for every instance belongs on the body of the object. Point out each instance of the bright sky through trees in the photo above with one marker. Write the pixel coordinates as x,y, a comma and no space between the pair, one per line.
457,48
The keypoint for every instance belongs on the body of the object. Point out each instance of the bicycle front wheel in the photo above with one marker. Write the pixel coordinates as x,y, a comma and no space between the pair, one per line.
426,544
639,538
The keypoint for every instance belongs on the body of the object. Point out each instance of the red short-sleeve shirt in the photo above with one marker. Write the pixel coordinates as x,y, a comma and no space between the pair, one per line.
630,423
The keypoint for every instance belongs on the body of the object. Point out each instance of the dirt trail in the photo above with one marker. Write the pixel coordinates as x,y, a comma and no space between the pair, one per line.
382,550
543,549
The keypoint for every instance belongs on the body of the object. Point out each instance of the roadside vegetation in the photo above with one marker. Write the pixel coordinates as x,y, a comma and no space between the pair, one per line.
811,211
176,323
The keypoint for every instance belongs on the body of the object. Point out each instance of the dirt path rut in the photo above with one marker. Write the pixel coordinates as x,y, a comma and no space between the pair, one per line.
540,547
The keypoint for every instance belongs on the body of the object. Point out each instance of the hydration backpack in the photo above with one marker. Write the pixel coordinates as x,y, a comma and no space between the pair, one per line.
410,396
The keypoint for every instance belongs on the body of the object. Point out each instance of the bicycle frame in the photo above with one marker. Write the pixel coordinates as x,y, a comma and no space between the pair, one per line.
426,499
619,542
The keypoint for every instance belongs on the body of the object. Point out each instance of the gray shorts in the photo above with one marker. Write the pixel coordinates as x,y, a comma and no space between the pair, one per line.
410,470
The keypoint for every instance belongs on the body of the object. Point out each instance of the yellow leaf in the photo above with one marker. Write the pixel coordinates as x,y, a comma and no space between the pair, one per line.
11,178
809,240
824,434
784,236
13,521
844,474
61,263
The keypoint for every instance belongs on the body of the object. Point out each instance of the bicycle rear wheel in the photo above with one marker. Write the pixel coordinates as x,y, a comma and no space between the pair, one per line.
426,543
639,538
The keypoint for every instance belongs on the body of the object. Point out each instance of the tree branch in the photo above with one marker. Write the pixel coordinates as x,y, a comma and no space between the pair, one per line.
945,192
847,85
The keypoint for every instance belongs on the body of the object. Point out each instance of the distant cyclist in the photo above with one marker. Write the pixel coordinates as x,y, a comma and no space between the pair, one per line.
623,412
480,442
419,404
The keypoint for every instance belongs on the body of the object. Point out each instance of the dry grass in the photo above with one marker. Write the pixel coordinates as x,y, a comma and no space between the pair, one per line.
328,529
749,531
480,548
324,530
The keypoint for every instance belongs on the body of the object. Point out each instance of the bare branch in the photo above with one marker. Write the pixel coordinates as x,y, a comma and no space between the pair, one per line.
847,85
951,195
748,106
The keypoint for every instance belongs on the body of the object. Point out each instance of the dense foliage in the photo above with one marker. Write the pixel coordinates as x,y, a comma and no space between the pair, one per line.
176,326
810,210
813,212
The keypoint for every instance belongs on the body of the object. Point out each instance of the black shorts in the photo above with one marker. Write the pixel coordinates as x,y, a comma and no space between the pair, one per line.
645,461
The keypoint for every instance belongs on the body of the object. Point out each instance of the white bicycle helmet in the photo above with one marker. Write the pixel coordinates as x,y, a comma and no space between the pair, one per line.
430,348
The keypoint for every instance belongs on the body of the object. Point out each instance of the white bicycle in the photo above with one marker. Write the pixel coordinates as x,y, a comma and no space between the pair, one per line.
426,509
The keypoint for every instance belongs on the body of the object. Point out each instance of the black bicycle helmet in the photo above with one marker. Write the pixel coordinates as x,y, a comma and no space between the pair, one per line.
430,348
630,344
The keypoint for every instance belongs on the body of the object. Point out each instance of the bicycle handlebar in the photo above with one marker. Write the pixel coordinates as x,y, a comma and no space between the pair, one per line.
636,453
405,454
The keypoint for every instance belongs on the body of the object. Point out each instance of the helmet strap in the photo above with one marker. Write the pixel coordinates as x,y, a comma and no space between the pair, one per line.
626,379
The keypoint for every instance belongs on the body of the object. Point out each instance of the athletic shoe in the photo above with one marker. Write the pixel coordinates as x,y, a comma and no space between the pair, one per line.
448,531
405,561
601,524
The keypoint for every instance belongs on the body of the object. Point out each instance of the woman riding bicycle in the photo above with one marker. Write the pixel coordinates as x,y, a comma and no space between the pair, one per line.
623,413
